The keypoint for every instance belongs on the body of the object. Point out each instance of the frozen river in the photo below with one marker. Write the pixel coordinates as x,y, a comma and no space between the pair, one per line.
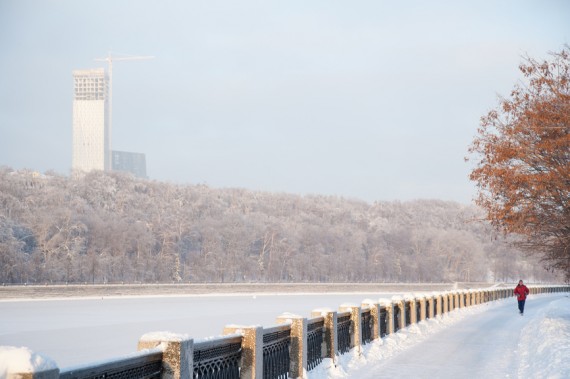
78,331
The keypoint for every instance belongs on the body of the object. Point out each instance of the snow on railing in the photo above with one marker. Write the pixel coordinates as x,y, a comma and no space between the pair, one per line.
289,350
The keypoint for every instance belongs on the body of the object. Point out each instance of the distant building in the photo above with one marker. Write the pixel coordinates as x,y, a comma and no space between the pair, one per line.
135,163
91,135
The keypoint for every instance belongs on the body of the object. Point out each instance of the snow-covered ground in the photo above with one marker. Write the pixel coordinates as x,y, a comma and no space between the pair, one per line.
484,341
489,340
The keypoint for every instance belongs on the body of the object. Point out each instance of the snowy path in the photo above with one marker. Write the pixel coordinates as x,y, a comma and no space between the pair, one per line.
480,346
486,341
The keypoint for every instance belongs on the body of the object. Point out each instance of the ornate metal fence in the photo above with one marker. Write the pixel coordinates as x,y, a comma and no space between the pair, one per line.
315,330
397,317
366,322
276,343
418,310
146,365
407,306
383,322
218,359
343,332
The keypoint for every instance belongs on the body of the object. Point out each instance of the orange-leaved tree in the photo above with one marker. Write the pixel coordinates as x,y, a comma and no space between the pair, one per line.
522,154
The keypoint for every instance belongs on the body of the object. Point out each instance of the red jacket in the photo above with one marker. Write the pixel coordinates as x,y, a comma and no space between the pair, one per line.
521,292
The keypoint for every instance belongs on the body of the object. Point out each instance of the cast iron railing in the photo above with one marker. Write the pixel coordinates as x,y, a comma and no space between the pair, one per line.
343,334
418,310
366,325
397,316
276,343
383,322
218,359
407,305
147,364
315,330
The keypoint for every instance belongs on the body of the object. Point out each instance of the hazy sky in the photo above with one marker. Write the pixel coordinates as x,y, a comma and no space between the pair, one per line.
373,100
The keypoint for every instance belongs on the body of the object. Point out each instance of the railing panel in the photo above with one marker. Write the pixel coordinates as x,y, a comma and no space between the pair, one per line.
366,324
218,359
147,365
315,331
408,312
383,322
276,359
418,311
397,316
343,332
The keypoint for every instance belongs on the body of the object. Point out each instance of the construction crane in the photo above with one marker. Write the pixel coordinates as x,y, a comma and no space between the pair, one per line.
109,59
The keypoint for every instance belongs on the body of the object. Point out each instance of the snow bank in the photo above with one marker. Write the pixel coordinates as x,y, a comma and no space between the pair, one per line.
164,336
22,360
548,355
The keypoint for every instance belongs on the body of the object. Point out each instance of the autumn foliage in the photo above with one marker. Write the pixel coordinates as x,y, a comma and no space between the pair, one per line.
522,169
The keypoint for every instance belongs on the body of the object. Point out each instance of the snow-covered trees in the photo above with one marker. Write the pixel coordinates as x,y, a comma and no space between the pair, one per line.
110,227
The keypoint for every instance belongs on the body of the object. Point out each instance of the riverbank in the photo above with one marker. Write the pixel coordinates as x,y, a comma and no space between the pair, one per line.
108,290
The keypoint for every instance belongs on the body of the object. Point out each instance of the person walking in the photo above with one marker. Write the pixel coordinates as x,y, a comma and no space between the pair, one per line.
521,292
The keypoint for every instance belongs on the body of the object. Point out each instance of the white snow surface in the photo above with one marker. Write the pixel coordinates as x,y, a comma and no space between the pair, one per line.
22,360
483,341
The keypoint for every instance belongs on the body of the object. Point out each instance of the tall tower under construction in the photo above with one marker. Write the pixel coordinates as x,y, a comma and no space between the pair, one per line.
91,134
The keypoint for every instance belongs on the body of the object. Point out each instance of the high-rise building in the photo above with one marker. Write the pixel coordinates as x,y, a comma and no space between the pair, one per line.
125,161
91,134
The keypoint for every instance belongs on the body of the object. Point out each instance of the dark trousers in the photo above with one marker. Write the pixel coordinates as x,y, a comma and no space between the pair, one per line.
521,306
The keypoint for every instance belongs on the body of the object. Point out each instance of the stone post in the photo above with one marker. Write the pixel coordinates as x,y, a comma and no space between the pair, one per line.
299,347
330,339
374,307
414,319
356,326
252,350
444,303
40,367
439,308
42,374
177,356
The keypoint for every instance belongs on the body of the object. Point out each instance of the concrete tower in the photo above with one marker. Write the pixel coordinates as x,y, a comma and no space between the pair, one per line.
91,134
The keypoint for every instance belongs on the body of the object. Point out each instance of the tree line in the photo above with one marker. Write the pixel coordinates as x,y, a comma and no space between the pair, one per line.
104,227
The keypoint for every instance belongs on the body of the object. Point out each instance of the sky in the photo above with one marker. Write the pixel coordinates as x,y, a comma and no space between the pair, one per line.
371,100
489,340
